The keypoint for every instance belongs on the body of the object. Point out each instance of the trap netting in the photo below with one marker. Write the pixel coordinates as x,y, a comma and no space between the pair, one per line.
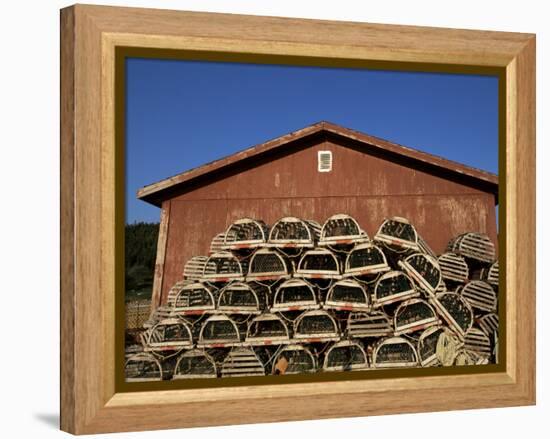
423,270
142,367
195,363
267,329
294,232
294,295
171,334
347,295
267,264
242,298
365,259
316,325
455,311
195,298
222,267
395,352
414,315
345,355
245,233
341,229
317,264
393,286
219,331
294,359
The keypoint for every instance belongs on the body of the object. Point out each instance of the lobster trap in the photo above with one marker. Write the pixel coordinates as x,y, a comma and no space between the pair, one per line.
475,246
267,329
347,295
195,363
448,345
242,298
423,270
219,331
395,352
414,315
369,324
167,310
245,233
365,260
160,313
478,343
453,267
319,263
216,245
437,345
488,274
242,362
294,359
294,295
480,295
345,355
194,268
174,291
194,299
315,326
455,311
268,265
292,232
468,358
169,335
489,324
341,229
223,267
142,367
392,287
399,235
427,345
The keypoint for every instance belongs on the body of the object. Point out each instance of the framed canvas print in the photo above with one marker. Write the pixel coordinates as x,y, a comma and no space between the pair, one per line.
269,219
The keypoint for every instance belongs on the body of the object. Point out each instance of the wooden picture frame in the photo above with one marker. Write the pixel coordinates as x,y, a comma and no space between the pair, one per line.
90,38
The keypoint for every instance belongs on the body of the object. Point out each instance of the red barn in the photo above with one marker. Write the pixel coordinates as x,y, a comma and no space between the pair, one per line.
314,173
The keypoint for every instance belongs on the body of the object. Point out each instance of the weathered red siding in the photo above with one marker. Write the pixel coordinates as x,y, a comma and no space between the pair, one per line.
367,187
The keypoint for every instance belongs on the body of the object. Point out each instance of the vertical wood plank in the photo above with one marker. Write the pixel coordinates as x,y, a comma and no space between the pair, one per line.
67,250
524,254
161,255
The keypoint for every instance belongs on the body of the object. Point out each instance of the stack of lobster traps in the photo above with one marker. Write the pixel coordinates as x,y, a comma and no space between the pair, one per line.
301,297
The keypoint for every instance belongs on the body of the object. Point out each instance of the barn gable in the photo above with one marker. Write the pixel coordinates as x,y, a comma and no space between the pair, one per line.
306,138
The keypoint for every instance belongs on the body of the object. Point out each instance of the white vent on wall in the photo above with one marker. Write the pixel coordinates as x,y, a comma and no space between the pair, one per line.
324,161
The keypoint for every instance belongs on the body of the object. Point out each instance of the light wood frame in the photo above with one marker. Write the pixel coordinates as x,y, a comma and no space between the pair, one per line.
90,34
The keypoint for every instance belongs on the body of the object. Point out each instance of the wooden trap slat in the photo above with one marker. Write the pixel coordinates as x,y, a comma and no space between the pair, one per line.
242,362
480,295
371,324
476,341
453,267
194,268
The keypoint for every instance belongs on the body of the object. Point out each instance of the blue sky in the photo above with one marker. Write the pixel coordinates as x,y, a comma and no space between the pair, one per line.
181,114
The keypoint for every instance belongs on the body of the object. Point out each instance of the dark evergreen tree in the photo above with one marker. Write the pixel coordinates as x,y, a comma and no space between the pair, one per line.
140,255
